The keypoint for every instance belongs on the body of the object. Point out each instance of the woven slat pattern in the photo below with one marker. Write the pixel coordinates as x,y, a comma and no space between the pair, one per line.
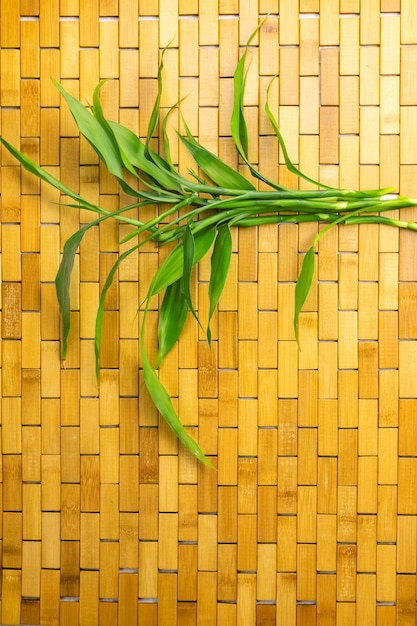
311,516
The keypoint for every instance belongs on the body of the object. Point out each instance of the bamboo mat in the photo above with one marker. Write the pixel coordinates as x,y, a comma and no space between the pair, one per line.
311,518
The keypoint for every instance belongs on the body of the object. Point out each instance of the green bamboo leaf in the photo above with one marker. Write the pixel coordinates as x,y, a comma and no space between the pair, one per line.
102,301
42,174
220,263
167,147
97,111
95,134
171,319
303,286
163,403
97,131
289,164
238,123
188,245
63,280
172,268
133,150
218,171
153,121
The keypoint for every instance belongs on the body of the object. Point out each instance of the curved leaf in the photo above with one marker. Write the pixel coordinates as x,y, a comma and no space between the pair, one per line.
172,268
303,286
238,123
218,171
171,319
42,174
188,245
163,403
133,150
290,166
95,134
220,263
63,280
102,300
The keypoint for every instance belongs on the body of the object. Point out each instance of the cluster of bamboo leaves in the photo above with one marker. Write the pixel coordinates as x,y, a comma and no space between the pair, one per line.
196,215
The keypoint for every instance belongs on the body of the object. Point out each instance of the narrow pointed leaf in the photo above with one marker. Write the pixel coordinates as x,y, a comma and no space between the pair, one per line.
213,167
188,245
163,403
102,301
290,166
42,174
99,138
62,283
167,146
134,151
97,111
220,263
171,319
95,134
238,123
172,268
303,286
153,120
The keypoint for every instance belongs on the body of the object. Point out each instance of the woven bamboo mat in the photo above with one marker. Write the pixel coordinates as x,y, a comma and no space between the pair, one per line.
311,517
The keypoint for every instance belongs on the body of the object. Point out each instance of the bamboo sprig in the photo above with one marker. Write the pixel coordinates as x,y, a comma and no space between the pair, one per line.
196,216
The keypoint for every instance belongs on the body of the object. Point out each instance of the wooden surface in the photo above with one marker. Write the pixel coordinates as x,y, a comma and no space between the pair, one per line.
311,518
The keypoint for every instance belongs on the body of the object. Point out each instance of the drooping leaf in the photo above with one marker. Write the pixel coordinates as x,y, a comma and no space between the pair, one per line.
63,280
220,263
172,268
163,403
171,319
102,301
303,286
188,245
42,174
290,166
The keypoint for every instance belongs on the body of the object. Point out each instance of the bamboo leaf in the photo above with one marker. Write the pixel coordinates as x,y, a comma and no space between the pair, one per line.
218,171
95,134
188,245
220,263
134,151
97,111
42,174
172,268
63,280
102,301
290,166
153,121
167,147
238,123
163,403
172,316
303,286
